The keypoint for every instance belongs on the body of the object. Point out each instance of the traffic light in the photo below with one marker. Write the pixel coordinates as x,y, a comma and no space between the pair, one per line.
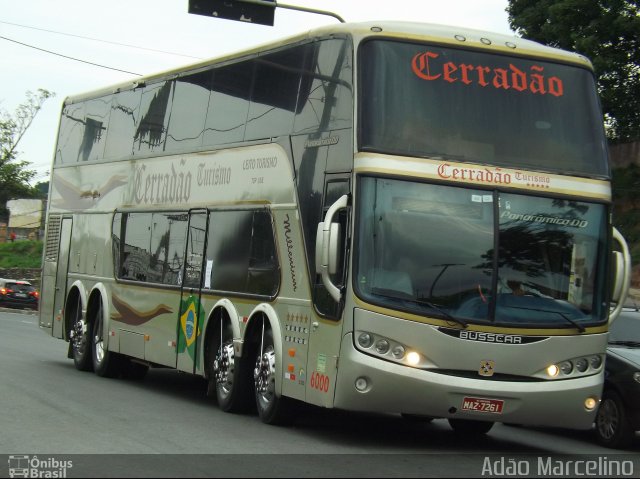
251,11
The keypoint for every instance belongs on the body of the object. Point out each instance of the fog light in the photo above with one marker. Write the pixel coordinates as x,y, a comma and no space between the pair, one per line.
553,370
398,352
413,358
365,340
382,346
596,362
590,404
566,367
582,364
362,384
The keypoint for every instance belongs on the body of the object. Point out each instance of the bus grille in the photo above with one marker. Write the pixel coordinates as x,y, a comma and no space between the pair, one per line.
53,238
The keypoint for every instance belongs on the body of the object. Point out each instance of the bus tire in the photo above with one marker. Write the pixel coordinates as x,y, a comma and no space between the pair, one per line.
105,363
470,427
272,409
230,379
612,424
79,342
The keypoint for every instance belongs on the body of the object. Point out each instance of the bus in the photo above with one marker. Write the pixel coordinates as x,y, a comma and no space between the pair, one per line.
381,217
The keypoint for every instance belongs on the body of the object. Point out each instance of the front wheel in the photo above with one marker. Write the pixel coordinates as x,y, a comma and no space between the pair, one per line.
232,381
612,426
470,427
272,409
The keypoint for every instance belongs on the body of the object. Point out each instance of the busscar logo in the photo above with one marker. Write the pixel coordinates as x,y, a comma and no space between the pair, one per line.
485,337
27,466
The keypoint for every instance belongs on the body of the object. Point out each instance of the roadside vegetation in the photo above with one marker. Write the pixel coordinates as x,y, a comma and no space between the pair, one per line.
21,254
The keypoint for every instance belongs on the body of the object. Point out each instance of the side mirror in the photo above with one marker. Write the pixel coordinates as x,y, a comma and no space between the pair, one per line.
328,246
621,269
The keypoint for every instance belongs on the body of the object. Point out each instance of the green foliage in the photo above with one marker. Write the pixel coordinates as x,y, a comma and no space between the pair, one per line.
606,31
626,201
21,254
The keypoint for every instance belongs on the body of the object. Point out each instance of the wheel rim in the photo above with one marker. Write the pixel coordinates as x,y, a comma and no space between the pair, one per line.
79,332
223,368
264,376
608,419
97,337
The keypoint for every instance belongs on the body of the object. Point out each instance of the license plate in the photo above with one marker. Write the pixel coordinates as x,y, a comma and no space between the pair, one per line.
20,295
482,405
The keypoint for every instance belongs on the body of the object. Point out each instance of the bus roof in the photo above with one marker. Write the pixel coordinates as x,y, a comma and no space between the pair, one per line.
414,31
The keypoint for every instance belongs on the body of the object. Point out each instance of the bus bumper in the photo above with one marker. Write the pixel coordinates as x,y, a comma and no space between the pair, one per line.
365,383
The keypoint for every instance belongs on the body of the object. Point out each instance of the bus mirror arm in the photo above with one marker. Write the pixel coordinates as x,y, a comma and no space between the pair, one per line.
622,280
327,247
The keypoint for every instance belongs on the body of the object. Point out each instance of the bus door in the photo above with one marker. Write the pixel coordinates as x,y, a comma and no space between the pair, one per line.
190,313
61,278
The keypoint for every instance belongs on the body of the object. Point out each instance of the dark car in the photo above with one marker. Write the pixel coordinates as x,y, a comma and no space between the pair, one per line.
618,416
21,294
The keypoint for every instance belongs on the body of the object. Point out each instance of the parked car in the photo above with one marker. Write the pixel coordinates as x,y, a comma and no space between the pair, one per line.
15,293
618,416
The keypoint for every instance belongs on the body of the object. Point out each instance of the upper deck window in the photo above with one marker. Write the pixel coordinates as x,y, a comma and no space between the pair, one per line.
430,101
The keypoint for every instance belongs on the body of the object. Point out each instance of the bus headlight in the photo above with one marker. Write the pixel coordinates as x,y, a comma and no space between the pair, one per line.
566,367
582,364
553,370
388,349
365,340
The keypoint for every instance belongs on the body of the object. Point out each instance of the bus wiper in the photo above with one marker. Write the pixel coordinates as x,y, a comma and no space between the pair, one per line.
578,326
450,317
400,296
631,344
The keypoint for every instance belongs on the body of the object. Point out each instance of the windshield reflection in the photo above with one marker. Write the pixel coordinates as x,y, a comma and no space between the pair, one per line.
430,249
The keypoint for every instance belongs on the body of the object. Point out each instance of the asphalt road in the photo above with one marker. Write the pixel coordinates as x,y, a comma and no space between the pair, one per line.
164,426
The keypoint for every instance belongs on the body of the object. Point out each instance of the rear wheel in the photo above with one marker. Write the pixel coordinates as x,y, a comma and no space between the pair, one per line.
612,426
105,362
79,341
470,427
272,409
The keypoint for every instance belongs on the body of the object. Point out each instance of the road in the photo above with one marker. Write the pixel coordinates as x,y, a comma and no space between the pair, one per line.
170,429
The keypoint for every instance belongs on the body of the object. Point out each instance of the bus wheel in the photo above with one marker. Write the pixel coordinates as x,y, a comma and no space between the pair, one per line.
232,390
79,340
612,427
470,427
105,363
272,409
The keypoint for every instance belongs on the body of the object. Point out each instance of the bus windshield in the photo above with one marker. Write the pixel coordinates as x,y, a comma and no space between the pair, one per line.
436,102
431,250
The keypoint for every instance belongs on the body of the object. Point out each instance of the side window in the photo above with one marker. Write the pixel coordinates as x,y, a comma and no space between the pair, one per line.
241,254
228,249
275,93
96,120
189,112
116,242
229,104
326,96
168,241
264,275
136,251
155,106
70,135
195,249
123,122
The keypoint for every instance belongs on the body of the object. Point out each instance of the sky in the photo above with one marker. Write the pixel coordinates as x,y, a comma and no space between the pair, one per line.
115,41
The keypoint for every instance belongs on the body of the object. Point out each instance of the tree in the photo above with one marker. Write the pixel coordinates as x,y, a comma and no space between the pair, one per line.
14,175
605,31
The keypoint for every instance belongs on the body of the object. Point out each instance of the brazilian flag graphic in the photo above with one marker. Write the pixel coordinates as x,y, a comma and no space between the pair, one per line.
190,320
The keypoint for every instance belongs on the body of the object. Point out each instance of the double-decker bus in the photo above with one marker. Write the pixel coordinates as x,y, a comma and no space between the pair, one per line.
385,217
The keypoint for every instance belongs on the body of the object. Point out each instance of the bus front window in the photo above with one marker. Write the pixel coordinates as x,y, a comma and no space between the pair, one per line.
434,102
430,250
